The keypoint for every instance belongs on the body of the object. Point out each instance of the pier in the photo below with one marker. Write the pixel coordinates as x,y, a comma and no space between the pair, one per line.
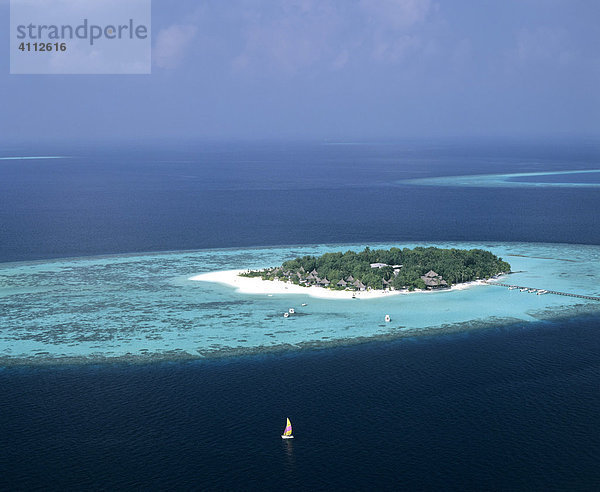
568,294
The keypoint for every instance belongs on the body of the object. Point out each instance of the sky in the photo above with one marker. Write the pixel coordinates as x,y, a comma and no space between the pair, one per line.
330,70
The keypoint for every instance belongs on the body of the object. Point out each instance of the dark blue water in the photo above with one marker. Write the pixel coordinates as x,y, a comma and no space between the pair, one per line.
190,196
510,408
500,409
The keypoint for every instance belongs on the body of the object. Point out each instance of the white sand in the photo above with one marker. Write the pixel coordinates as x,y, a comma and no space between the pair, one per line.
256,285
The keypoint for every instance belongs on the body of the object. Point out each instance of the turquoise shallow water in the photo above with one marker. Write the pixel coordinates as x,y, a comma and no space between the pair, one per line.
588,178
138,307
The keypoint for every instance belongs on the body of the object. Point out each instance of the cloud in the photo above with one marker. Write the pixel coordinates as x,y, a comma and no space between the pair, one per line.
544,44
341,60
394,28
171,45
396,14
290,36
395,49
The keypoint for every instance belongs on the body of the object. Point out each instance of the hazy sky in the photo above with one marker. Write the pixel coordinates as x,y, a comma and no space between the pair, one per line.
331,69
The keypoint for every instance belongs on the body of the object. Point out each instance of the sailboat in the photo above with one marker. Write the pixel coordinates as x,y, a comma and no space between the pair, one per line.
287,432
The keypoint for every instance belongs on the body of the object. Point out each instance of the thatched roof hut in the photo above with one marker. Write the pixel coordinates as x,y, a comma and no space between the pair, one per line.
433,281
359,285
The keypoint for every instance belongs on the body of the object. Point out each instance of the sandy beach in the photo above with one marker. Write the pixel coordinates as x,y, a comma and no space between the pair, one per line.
247,285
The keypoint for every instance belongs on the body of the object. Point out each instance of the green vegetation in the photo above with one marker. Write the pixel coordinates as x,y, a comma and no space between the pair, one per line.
388,269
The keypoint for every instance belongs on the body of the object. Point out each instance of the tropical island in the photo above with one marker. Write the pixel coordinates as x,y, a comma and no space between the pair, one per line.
392,269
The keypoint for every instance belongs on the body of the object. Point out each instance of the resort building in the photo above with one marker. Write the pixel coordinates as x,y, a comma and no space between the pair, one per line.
433,280
359,285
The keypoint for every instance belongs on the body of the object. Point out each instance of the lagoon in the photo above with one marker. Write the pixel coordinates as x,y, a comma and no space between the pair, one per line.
145,307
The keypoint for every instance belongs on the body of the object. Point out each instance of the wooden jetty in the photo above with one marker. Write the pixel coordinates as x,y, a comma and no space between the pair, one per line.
568,294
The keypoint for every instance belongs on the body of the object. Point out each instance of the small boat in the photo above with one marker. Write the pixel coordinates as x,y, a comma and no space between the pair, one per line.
512,287
531,291
287,432
523,290
541,292
304,304
286,315
292,311
387,318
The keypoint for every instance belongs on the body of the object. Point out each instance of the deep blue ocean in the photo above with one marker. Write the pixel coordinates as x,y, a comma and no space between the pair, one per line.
511,408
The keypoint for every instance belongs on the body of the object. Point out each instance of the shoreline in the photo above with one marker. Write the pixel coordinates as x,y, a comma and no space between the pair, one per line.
258,286
160,315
